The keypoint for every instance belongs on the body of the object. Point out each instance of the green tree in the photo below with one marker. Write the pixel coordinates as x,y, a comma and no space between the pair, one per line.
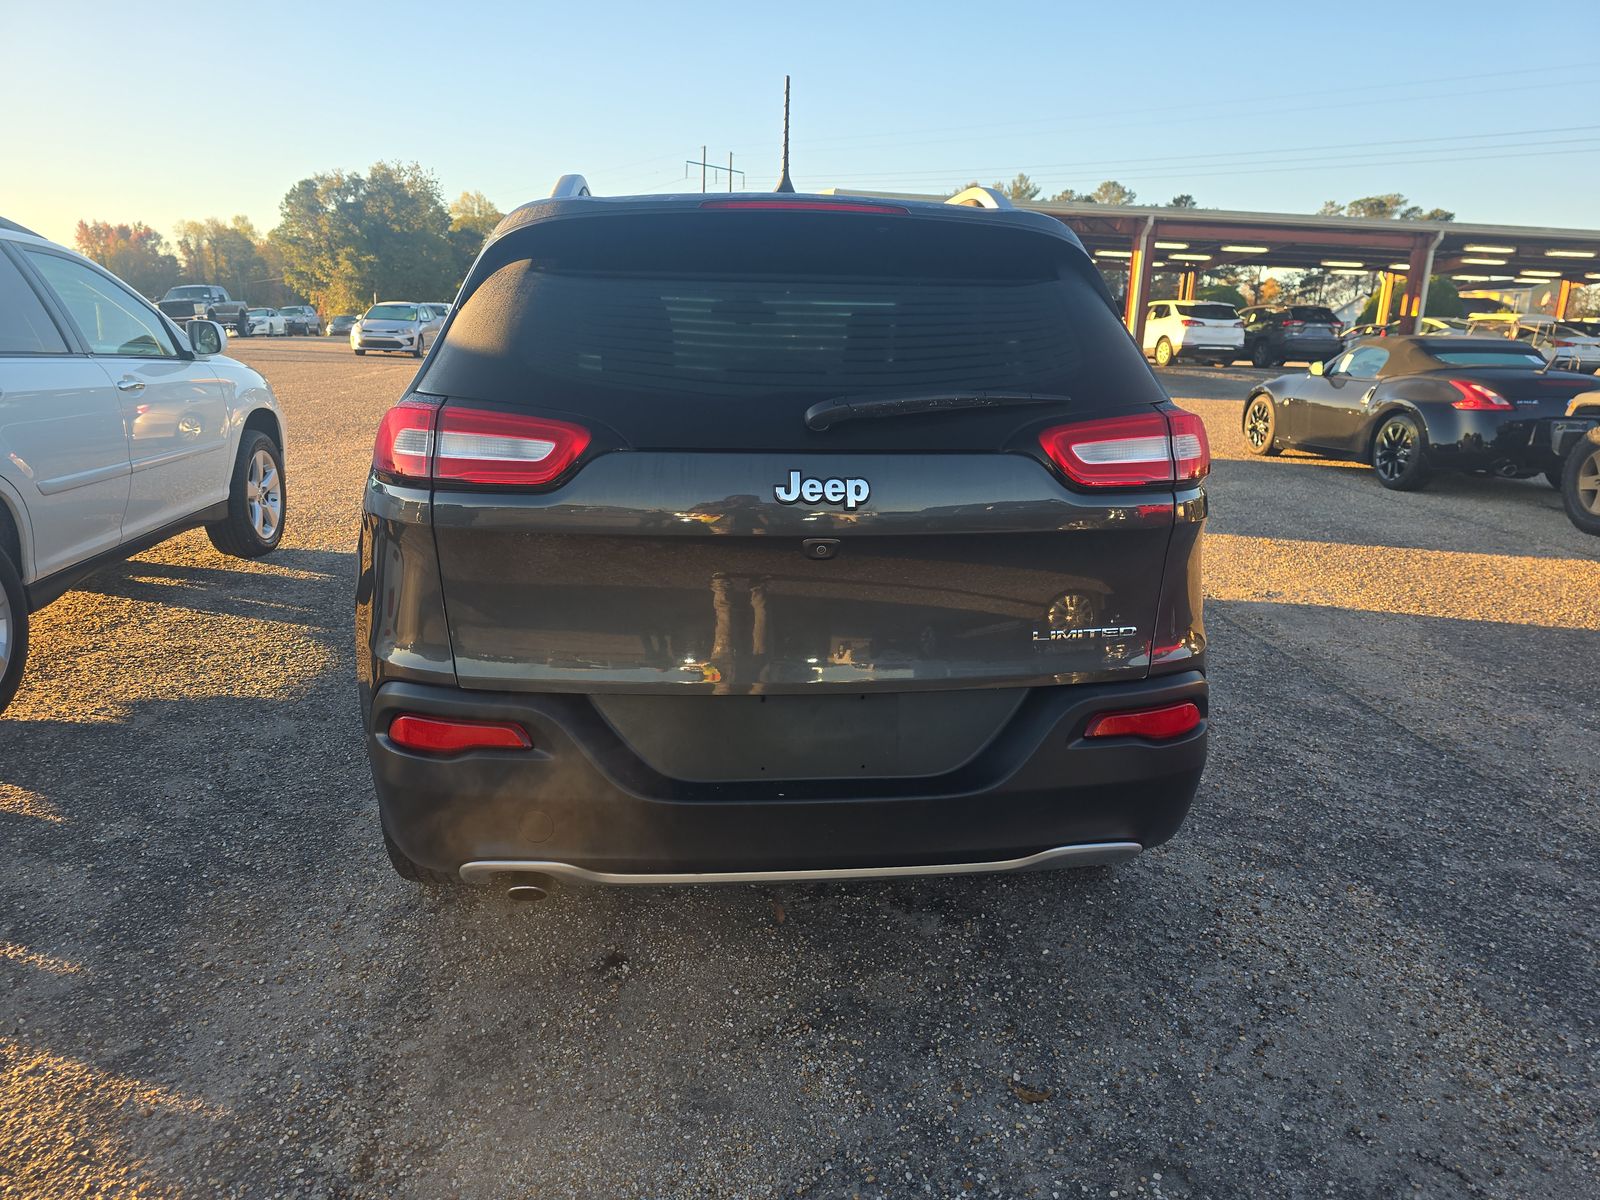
1182,200
1389,206
473,218
134,253
346,237
1019,189
1224,292
1112,192
223,254
1068,196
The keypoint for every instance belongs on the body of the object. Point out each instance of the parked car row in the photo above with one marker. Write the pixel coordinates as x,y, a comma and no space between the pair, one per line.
1215,332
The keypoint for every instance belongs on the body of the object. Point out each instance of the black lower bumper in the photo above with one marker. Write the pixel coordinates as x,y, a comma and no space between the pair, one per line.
583,798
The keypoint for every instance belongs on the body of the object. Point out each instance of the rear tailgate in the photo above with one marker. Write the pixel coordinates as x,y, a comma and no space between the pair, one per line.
707,540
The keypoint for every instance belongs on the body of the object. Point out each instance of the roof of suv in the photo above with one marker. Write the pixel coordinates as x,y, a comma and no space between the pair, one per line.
592,206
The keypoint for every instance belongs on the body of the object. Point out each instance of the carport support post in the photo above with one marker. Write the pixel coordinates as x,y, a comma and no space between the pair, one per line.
1420,270
1385,296
1139,281
1563,298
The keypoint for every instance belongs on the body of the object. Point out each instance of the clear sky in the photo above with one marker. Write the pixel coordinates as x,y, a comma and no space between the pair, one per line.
159,113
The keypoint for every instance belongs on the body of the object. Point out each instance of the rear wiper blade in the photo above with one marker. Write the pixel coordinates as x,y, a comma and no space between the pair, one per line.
827,413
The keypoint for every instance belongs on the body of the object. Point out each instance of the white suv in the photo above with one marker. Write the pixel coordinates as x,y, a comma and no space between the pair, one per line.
118,430
1207,330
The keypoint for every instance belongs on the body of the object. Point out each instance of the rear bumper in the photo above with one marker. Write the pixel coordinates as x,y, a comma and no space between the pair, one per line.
583,805
1202,351
1483,441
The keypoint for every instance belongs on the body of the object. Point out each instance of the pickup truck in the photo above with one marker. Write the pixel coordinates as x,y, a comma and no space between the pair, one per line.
208,302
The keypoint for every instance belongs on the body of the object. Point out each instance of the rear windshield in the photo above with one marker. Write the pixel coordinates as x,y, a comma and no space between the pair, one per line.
689,329
391,312
1210,312
1511,356
189,293
1312,313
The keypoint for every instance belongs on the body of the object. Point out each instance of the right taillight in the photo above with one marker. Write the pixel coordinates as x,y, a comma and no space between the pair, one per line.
1156,724
425,440
1477,398
1146,448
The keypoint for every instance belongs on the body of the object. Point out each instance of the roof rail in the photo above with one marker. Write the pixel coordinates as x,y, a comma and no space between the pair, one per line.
569,186
981,197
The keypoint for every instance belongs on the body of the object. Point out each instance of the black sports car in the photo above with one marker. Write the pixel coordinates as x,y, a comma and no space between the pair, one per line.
1412,405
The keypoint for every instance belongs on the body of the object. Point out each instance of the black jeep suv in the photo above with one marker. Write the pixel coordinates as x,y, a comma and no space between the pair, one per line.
780,537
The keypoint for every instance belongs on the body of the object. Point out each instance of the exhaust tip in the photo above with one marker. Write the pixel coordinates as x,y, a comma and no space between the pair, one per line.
528,893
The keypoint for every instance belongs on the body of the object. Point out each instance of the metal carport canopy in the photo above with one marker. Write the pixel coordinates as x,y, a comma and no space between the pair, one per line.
1191,241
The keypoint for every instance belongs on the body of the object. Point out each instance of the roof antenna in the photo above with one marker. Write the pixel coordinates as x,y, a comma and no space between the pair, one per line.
785,184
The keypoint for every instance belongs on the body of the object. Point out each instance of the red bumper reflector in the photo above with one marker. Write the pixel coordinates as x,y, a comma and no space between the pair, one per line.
1158,724
435,735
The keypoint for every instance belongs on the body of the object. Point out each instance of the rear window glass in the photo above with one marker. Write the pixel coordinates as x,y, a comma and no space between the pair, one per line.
683,329
1509,357
1312,313
1210,312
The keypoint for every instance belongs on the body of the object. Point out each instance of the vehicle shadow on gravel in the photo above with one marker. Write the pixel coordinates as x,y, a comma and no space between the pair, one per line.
237,589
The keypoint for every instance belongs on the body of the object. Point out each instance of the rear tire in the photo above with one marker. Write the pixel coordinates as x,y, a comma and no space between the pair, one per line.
360,353
257,502
1261,426
1580,487
1400,454
242,325
418,349
415,872
1163,353
1259,355
13,629
1553,477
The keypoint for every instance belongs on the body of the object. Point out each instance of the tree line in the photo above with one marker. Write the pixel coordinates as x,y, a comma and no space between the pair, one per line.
342,239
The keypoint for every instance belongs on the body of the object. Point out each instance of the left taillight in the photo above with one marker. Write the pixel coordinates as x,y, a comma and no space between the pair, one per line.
1158,447
423,439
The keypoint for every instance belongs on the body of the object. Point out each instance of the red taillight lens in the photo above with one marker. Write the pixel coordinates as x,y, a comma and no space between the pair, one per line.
1114,452
405,439
1190,324
1191,450
439,735
837,206
421,439
474,445
1157,724
1291,324
1146,448
1477,398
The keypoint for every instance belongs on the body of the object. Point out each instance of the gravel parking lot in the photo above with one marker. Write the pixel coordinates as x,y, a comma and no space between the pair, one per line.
1367,966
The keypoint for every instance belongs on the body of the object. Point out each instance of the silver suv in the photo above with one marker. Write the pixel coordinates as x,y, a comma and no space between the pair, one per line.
118,430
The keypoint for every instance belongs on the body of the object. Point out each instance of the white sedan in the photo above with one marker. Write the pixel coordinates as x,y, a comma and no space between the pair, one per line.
268,322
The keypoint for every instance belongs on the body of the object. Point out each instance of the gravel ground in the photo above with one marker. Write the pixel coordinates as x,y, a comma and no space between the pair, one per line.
1366,967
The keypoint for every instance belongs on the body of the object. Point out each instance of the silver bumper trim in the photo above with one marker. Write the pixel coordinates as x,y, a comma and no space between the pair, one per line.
1092,854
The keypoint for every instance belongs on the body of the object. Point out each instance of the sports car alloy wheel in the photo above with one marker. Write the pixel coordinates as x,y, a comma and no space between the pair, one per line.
1258,425
263,496
1395,448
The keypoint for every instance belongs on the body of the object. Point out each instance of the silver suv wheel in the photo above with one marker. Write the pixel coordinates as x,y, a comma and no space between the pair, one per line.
263,495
